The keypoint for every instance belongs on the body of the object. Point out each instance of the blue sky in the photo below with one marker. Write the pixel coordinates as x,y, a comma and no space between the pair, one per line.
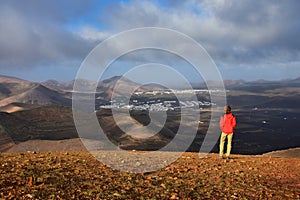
41,40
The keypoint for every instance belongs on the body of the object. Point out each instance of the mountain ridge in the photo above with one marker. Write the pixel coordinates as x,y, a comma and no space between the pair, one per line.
15,90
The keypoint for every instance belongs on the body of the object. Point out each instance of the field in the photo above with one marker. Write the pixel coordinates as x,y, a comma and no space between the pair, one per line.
78,175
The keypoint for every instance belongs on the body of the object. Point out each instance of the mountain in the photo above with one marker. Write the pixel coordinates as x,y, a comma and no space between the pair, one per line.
10,86
11,79
263,85
125,86
111,82
68,86
58,86
54,92
252,86
14,90
37,94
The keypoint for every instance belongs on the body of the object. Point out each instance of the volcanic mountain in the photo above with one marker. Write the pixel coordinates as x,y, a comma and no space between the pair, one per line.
10,86
14,90
38,94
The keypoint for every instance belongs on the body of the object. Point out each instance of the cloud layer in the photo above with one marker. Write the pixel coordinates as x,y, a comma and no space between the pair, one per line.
35,33
254,37
236,28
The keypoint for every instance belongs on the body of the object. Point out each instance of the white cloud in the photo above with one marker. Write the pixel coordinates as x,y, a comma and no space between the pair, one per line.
90,33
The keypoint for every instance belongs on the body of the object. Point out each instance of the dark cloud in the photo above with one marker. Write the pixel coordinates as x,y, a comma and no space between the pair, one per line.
57,12
262,33
234,31
277,21
35,33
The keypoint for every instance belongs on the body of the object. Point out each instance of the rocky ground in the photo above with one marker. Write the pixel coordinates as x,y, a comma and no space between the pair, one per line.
78,175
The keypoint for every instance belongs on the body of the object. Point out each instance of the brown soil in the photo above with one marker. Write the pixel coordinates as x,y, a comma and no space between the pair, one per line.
78,175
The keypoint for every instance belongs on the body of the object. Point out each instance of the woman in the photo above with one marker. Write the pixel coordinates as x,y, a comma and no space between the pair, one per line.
227,125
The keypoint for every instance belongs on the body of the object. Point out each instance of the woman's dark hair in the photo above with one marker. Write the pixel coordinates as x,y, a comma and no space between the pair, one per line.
227,109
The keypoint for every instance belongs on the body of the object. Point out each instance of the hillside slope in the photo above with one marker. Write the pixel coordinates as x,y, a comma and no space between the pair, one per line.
51,122
10,86
78,175
38,94
287,153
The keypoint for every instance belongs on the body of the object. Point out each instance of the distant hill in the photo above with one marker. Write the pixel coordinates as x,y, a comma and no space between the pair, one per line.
10,86
53,122
263,85
288,153
125,86
37,94
60,86
14,90
254,86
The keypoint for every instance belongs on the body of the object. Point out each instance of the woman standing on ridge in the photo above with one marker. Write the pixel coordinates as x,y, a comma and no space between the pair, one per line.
227,125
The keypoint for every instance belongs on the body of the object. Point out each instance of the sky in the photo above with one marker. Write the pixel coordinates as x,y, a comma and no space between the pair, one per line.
250,40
